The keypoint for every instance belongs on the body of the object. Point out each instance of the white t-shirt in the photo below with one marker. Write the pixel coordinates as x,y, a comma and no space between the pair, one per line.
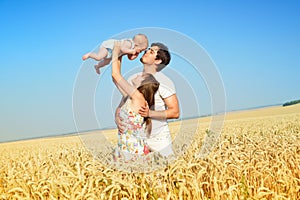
110,43
166,89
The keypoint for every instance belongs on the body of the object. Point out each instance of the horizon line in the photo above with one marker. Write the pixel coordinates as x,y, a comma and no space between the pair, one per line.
114,127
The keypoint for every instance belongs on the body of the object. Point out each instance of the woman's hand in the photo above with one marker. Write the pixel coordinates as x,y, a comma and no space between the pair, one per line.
117,48
119,122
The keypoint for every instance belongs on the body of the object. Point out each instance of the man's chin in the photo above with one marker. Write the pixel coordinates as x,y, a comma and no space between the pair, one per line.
141,59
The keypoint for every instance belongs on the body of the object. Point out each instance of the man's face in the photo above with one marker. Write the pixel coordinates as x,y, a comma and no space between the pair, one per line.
150,55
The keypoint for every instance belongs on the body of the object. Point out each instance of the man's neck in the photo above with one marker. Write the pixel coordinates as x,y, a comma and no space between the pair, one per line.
151,69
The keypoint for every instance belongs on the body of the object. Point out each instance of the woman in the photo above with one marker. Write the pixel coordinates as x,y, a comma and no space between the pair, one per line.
132,141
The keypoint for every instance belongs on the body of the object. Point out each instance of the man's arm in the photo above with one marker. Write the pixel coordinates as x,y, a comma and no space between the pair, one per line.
172,111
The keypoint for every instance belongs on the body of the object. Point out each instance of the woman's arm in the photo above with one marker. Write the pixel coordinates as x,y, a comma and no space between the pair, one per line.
122,84
118,120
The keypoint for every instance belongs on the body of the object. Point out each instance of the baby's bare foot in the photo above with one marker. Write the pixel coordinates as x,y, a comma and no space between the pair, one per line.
85,56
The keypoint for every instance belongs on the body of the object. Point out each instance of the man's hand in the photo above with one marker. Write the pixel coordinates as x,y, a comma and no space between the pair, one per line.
144,111
171,113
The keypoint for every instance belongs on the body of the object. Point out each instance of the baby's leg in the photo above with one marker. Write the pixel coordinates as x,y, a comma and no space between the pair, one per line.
102,53
102,63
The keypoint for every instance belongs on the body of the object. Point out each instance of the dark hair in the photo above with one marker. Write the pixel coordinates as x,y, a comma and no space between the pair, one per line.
163,54
148,88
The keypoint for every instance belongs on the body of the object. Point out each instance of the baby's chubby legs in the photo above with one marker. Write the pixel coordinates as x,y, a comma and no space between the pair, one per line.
102,53
102,63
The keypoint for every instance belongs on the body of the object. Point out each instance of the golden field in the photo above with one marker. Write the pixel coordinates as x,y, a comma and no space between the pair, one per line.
257,157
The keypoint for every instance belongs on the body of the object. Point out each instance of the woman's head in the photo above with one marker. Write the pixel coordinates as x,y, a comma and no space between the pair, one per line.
148,87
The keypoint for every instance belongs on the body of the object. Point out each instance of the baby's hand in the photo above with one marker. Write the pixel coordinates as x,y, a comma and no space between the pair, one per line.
132,56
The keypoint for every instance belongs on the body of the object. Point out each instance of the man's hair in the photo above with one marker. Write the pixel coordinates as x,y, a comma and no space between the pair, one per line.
163,54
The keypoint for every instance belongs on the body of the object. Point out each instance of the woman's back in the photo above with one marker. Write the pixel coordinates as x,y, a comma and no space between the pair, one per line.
132,141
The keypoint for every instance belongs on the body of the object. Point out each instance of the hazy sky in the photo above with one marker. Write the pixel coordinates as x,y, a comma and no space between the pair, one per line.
254,45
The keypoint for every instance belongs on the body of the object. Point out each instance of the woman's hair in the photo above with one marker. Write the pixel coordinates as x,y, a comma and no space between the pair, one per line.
148,88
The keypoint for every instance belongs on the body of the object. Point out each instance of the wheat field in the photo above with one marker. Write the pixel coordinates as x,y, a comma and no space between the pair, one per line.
257,157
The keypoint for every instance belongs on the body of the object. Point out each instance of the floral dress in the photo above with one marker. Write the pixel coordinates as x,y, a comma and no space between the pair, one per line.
132,141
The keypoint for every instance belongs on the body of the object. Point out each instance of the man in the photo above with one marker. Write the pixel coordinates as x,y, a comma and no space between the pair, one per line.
166,103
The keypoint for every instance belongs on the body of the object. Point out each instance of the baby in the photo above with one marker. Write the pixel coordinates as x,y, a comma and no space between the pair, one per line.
131,47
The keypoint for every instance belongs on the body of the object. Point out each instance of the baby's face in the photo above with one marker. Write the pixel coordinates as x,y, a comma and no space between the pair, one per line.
141,44
140,48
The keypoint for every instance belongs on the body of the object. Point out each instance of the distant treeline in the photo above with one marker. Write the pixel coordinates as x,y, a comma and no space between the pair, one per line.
291,103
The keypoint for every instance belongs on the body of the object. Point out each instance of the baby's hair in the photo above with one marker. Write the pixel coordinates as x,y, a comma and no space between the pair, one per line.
143,39
142,35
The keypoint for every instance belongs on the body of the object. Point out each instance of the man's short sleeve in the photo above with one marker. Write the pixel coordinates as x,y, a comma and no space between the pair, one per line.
166,87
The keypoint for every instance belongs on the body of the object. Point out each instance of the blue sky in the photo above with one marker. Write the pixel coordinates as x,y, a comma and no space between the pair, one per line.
255,46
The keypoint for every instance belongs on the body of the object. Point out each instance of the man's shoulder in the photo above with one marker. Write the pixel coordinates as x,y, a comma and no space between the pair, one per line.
160,74
162,78
167,87
134,75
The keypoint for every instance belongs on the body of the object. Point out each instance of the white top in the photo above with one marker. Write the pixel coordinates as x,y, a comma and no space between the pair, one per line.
166,89
110,43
